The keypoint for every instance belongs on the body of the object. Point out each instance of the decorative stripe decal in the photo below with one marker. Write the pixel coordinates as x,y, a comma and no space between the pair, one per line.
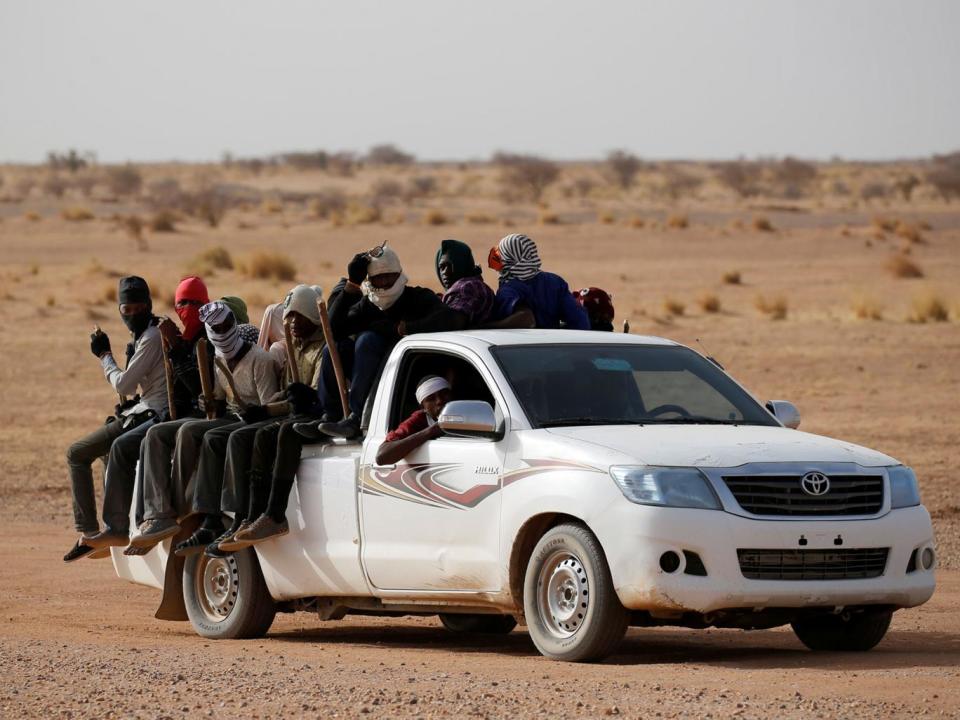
422,483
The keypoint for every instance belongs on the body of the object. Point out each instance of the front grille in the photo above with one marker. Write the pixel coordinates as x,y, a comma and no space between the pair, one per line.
845,564
783,495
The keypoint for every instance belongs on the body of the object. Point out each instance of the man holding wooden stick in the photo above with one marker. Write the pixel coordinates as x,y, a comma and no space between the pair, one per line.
144,372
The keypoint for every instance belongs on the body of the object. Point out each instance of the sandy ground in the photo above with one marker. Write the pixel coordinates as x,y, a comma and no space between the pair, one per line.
77,642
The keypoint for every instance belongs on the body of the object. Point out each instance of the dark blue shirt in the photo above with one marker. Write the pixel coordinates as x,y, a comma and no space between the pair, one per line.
548,297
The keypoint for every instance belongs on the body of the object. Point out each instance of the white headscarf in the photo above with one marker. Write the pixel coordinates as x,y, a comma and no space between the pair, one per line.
430,385
388,262
271,327
303,299
227,343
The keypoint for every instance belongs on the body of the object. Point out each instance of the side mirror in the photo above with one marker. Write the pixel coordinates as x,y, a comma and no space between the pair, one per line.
786,412
468,418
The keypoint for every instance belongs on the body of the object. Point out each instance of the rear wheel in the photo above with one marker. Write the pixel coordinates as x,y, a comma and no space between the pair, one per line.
572,610
484,624
857,632
226,598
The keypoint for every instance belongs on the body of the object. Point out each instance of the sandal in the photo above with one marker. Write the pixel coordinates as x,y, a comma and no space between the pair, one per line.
79,550
195,543
137,550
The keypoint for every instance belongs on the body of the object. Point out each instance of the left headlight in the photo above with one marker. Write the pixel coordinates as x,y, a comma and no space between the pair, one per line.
668,487
904,491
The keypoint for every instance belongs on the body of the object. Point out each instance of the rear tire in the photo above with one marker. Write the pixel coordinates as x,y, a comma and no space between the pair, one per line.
572,610
226,598
483,624
859,633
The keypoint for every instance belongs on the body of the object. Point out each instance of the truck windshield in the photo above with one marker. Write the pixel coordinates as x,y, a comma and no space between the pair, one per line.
562,384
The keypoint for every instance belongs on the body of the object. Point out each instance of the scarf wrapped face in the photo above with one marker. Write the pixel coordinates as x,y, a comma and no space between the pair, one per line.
227,342
520,258
384,298
190,288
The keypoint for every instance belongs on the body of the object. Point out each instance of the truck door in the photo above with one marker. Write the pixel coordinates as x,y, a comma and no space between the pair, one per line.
432,521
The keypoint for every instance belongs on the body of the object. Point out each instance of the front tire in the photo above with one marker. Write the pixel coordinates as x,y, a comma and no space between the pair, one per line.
482,624
572,610
226,598
857,633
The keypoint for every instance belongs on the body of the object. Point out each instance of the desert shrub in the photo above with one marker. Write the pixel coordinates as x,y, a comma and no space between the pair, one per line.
901,266
525,176
636,222
218,257
70,160
678,222
32,216
905,185
910,233
388,154
581,187
385,190
271,206
945,175
548,217
328,201
165,193
839,188
435,217
773,307
51,301
926,307
678,183
761,223
883,223
342,164
874,191
623,167
794,177
866,307
421,186
85,183
673,306
740,176
54,185
133,226
709,303
605,217
316,160
76,213
360,214
124,180
732,277
208,204
163,221
480,218
265,265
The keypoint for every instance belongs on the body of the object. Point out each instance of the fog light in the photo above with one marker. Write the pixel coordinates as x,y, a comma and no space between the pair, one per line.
669,561
927,558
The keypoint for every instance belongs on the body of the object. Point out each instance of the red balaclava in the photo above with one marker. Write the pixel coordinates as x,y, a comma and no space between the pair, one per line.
191,288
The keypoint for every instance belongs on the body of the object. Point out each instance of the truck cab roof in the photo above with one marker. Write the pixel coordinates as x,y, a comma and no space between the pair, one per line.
477,339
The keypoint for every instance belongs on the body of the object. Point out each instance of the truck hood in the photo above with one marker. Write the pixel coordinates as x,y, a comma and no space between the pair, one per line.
720,445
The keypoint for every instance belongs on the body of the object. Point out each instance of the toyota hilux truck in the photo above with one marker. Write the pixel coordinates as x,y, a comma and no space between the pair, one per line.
585,482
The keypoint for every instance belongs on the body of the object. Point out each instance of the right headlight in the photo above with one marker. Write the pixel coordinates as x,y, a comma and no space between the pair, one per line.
904,491
665,486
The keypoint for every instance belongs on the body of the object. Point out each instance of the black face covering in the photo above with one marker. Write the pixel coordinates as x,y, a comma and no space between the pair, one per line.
137,323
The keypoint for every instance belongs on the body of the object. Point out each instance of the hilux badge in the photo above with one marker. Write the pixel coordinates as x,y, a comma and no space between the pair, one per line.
815,483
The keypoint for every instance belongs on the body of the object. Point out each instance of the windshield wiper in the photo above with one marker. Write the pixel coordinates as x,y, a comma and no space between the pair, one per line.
695,420
570,421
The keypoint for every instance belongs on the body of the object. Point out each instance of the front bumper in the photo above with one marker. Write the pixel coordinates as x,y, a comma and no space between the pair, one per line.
634,538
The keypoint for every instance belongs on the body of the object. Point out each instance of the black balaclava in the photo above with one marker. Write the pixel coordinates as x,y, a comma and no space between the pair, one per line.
134,289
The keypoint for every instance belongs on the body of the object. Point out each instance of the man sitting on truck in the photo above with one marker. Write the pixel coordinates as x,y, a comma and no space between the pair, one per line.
377,308
433,393
529,296
465,292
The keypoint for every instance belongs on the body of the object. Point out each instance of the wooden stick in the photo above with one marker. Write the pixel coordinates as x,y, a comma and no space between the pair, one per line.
334,355
206,382
168,369
233,386
291,360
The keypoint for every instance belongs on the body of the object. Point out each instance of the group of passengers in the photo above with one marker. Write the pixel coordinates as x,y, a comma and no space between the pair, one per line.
235,449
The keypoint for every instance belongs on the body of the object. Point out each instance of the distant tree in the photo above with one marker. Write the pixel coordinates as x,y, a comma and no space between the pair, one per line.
740,176
678,183
124,180
945,175
388,154
623,167
70,160
525,176
316,160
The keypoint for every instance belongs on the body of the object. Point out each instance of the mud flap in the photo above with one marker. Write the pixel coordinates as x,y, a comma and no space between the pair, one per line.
172,606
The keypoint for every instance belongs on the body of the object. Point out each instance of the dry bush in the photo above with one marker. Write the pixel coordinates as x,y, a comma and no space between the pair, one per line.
884,223
208,204
76,213
623,167
678,222
435,217
32,216
51,301
794,177
525,176
388,154
925,226
316,160
420,186
761,223
874,191
636,222
910,233
342,164
271,206
732,277
740,176
164,194
945,175
217,257
480,218
606,217
905,185
385,190
163,221
548,217
866,307
678,183
266,265
709,303
54,185
124,180
327,202
773,307
133,226
109,293
70,160
927,307
360,214
581,187
901,266
674,306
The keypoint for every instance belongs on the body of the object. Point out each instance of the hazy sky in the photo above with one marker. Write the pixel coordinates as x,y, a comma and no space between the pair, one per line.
448,79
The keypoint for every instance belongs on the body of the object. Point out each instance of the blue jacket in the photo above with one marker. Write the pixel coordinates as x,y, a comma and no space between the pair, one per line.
548,297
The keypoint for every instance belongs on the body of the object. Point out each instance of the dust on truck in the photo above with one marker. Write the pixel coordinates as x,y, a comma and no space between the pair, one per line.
585,482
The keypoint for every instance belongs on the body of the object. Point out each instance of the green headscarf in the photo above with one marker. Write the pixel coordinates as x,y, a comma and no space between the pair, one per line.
461,257
238,307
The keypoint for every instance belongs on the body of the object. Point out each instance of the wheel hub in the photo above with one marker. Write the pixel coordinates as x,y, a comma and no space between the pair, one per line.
564,594
218,579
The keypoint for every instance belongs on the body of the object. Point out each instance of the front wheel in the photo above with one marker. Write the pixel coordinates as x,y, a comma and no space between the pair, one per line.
572,610
483,624
226,598
858,632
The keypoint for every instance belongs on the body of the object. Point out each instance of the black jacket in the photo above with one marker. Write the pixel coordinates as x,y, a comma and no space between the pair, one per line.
419,308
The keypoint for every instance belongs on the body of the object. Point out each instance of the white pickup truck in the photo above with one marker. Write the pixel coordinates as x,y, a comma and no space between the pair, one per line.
586,482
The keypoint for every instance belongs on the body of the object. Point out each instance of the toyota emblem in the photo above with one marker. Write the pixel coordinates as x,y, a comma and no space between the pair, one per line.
815,483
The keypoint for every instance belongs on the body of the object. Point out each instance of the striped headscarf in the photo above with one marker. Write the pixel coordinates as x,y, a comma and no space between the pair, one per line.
521,261
227,343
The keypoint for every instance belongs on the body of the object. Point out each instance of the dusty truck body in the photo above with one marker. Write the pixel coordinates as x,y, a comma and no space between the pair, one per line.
585,482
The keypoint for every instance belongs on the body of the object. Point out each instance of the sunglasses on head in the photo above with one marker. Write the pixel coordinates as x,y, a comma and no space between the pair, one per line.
377,251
